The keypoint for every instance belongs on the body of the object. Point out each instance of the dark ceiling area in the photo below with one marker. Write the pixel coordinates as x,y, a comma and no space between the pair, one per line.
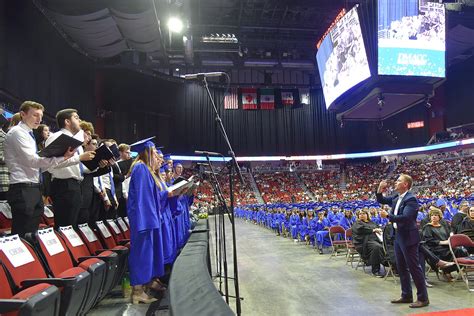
275,31
218,35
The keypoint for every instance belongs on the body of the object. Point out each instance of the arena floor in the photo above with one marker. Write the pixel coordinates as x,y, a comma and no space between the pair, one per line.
279,277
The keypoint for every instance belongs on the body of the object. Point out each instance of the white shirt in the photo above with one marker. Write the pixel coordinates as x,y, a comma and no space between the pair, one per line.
21,158
397,206
69,169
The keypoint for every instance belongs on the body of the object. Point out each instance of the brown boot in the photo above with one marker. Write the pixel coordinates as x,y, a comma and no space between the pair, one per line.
139,296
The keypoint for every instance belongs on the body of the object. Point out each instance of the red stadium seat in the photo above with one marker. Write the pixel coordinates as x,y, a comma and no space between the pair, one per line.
95,247
48,216
39,300
58,259
117,234
80,255
123,226
26,270
5,216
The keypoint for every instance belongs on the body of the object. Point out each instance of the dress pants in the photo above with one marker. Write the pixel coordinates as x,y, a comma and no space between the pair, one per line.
27,206
67,201
408,263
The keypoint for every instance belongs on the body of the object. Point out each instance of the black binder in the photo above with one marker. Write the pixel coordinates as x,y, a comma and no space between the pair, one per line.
101,153
59,146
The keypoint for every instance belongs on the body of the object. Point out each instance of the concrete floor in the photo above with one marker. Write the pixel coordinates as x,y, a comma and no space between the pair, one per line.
279,277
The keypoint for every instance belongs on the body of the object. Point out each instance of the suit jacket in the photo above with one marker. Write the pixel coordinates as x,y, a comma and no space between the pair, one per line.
118,178
407,231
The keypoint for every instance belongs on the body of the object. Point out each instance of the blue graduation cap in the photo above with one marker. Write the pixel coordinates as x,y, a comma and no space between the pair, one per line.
162,169
167,157
143,144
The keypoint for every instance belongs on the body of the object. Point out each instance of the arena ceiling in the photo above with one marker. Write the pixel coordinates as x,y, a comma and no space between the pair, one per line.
267,32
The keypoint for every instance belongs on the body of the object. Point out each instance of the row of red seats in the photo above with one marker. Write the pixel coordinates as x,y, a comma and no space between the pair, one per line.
47,218
62,272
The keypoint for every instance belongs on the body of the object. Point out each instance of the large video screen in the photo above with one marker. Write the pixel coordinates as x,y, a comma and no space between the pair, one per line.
341,57
411,38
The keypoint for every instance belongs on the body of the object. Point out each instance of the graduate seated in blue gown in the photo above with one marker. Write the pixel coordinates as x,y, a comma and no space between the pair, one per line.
322,232
347,220
294,223
286,223
307,232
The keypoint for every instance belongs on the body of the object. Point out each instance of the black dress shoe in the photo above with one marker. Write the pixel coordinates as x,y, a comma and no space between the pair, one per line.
377,274
419,304
402,300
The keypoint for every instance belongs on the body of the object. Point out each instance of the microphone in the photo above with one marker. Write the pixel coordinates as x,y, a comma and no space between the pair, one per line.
207,153
202,75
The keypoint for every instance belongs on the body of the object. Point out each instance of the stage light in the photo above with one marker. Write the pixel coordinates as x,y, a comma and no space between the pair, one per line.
427,103
175,25
380,102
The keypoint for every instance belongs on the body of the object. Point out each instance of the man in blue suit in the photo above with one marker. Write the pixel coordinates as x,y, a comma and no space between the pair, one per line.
407,239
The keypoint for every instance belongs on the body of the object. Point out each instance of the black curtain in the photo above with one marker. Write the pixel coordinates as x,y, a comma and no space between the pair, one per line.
182,118
41,66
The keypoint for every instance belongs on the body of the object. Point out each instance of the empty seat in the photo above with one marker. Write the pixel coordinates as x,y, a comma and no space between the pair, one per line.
5,216
95,247
38,300
124,227
48,216
80,255
58,259
117,234
108,241
26,270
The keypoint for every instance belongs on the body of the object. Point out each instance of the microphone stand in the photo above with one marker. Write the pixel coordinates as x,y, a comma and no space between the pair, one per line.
233,166
221,241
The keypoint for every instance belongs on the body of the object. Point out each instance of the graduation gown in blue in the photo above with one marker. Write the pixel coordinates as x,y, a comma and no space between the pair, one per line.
170,245
146,244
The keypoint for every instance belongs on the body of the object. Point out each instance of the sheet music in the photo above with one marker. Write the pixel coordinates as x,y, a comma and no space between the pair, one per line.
105,232
50,241
15,250
113,225
47,212
122,224
71,235
5,209
87,231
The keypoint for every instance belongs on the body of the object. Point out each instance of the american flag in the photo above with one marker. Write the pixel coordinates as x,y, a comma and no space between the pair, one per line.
231,100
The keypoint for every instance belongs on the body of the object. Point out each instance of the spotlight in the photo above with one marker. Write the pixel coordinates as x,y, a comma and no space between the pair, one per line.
380,102
427,103
380,124
175,25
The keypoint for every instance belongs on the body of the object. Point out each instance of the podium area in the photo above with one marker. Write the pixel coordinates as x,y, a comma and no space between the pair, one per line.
280,277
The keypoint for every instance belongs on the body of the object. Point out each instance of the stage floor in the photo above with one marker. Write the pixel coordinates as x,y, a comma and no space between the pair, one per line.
280,277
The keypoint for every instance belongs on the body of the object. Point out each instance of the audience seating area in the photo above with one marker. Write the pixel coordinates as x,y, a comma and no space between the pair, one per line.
450,174
64,272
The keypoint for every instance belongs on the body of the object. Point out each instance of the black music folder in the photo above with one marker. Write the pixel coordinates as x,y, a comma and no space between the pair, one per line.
101,153
59,146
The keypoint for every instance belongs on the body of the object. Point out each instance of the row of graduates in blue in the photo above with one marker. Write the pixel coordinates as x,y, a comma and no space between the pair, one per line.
309,222
159,221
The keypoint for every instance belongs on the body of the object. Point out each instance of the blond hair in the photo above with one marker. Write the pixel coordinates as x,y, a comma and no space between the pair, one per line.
145,158
87,127
435,211
406,178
